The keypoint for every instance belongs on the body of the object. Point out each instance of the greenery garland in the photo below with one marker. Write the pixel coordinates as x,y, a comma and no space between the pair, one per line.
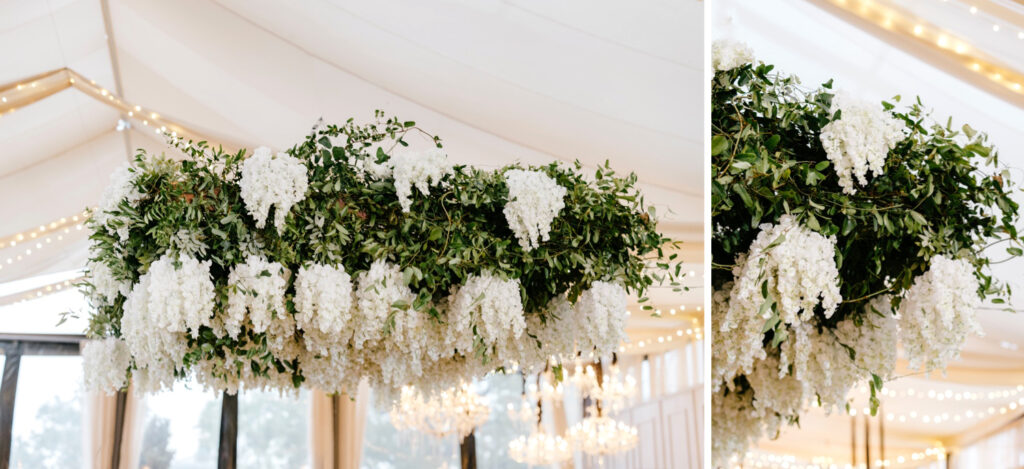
605,232
930,200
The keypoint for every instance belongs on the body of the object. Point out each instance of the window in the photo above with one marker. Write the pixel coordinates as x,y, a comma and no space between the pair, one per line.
273,430
48,429
181,428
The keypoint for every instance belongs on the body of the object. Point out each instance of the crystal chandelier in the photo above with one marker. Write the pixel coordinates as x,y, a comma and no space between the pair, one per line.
456,411
521,413
539,449
600,436
615,391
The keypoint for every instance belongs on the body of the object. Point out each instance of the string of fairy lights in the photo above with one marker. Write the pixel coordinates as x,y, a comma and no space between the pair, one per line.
768,460
988,404
22,245
957,48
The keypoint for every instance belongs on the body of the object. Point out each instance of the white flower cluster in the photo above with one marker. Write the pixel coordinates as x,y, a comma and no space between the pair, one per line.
734,426
255,295
323,300
799,269
380,288
106,287
106,363
875,340
534,200
168,302
859,140
420,170
121,188
727,54
938,312
272,180
603,309
492,305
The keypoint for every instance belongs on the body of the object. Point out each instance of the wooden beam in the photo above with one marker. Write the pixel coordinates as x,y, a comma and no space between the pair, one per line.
228,445
8,388
467,448
21,93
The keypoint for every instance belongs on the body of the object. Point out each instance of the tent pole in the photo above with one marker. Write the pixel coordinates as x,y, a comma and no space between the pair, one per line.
228,447
8,387
119,411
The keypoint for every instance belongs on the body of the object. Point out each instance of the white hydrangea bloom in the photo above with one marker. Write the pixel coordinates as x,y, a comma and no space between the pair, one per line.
534,200
379,288
121,187
255,293
727,54
323,301
938,312
420,170
603,312
494,306
106,287
875,340
267,179
801,273
859,140
105,364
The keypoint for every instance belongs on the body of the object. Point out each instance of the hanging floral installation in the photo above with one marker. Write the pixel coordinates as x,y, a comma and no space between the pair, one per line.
351,256
842,228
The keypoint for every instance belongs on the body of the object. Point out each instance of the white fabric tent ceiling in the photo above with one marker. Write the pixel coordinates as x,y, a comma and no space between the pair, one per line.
498,80
824,47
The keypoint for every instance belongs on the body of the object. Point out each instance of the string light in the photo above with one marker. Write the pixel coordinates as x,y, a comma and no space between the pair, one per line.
39,292
768,460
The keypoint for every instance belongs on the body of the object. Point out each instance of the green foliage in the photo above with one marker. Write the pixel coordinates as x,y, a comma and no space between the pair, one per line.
932,197
605,232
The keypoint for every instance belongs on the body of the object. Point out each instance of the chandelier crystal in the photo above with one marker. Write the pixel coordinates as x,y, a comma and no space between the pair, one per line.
539,449
456,411
600,436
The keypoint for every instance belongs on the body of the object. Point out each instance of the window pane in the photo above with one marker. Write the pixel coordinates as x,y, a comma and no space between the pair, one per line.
384,447
181,429
273,430
48,428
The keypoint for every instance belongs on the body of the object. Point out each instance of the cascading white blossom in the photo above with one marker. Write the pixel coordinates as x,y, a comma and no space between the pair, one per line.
800,270
419,170
106,288
859,140
824,366
734,427
534,200
775,397
602,309
162,308
121,188
938,312
255,295
272,180
557,333
874,341
736,349
493,305
105,363
727,54
323,301
379,289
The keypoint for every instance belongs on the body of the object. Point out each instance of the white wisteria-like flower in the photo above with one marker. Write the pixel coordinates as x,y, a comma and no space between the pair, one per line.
255,295
105,286
735,424
534,200
179,293
272,180
419,170
493,305
727,54
121,188
105,363
323,301
379,290
859,140
602,309
775,397
938,312
874,341
736,348
797,267
824,366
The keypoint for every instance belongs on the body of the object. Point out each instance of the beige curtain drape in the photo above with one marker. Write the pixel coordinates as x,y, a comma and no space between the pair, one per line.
102,415
349,438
